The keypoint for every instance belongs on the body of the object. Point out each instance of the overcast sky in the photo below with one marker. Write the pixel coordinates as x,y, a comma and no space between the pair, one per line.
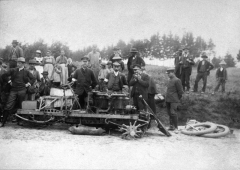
103,22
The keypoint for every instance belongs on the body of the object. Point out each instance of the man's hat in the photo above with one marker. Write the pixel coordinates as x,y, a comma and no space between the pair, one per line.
45,73
133,50
39,52
85,58
116,64
204,56
109,62
103,64
21,59
32,61
136,67
14,42
115,49
116,57
222,63
171,69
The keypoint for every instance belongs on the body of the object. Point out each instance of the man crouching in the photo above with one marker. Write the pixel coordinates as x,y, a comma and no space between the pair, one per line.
173,96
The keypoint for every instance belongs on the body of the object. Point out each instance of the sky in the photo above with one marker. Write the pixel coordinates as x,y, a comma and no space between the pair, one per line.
81,23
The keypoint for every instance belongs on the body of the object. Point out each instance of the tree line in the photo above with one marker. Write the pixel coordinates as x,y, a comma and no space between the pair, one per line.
158,46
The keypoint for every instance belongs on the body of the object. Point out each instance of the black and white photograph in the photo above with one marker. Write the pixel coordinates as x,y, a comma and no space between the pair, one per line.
120,84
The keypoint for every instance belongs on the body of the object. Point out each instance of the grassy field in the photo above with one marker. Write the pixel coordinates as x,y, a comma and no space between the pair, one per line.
219,108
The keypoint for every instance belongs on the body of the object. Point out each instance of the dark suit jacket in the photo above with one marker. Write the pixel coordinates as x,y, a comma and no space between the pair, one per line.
27,76
225,77
209,66
140,86
139,61
174,90
85,79
122,80
19,52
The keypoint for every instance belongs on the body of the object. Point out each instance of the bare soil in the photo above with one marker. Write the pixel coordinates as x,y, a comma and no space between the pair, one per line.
54,147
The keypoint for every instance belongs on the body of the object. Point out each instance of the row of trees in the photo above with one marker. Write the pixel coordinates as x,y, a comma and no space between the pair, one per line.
158,46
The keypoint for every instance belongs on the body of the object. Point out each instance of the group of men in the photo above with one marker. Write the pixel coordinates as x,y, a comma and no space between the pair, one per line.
85,78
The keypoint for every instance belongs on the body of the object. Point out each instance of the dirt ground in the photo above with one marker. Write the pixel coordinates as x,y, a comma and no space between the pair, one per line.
56,148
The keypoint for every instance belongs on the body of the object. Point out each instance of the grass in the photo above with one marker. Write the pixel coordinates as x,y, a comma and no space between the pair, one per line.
219,108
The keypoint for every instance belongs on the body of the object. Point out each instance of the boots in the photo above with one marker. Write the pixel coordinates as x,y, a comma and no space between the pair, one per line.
171,123
175,121
4,119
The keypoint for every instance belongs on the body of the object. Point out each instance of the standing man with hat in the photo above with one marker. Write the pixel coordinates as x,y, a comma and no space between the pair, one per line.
94,60
116,51
173,95
116,80
21,79
118,59
133,59
221,76
186,69
140,83
203,70
86,81
45,85
15,53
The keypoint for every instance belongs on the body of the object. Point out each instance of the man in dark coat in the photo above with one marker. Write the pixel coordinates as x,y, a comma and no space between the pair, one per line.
132,60
21,79
86,81
173,96
185,65
203,70
15,53
140,83
152,91
116,80
178,65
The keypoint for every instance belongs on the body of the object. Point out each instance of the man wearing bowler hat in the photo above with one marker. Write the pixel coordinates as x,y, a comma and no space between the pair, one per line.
203,70
21,79
140,83
45,84
86,81
133,59
15,53
116,51
173,95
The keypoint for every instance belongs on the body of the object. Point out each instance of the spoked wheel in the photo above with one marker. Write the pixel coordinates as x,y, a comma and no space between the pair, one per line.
132,131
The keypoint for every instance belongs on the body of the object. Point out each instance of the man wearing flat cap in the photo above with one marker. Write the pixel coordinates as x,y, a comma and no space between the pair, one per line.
15,53
203,70
116,80
186,64
85,81
21,79
133,59
173,95
140,83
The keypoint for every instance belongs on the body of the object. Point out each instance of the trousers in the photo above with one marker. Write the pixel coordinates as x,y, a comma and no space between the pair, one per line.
200,76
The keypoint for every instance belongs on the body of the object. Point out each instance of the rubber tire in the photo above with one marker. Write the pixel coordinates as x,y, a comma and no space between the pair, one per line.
218,135
212,127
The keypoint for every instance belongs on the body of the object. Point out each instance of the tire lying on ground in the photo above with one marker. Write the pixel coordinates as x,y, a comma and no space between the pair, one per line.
191,131
218,132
